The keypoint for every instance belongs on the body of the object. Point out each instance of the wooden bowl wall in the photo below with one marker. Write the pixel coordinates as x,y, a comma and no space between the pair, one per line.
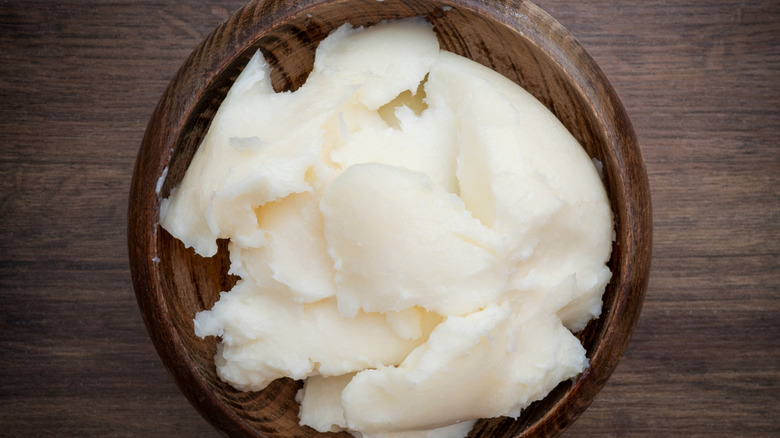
513,37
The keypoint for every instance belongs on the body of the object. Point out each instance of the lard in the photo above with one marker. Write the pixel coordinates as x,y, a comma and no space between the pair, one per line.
415,235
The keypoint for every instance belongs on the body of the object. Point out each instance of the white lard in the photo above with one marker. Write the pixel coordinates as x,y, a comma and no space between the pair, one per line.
416,236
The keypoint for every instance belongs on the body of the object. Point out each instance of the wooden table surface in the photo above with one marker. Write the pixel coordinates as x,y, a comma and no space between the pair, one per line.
79,81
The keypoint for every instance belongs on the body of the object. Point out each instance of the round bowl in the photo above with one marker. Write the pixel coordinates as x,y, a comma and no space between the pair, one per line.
513,37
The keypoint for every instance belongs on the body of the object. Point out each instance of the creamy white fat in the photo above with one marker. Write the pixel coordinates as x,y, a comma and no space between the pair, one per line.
415,234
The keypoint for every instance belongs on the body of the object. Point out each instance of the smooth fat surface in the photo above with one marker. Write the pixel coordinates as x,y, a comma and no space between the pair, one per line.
416,237
471,367
402,242
522,173
268,336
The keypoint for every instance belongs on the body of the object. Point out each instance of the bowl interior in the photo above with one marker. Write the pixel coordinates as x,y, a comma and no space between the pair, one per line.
516,39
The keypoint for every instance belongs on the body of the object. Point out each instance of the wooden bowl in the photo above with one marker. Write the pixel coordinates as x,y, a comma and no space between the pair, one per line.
515,38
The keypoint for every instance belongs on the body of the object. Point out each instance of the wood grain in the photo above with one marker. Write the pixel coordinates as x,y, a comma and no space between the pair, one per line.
79,81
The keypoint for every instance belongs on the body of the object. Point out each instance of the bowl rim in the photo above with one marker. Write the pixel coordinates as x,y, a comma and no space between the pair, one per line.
198,73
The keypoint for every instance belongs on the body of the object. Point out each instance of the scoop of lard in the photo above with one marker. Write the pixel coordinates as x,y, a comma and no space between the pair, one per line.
415,234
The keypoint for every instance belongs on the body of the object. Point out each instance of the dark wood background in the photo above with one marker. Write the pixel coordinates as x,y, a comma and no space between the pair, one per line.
79,81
